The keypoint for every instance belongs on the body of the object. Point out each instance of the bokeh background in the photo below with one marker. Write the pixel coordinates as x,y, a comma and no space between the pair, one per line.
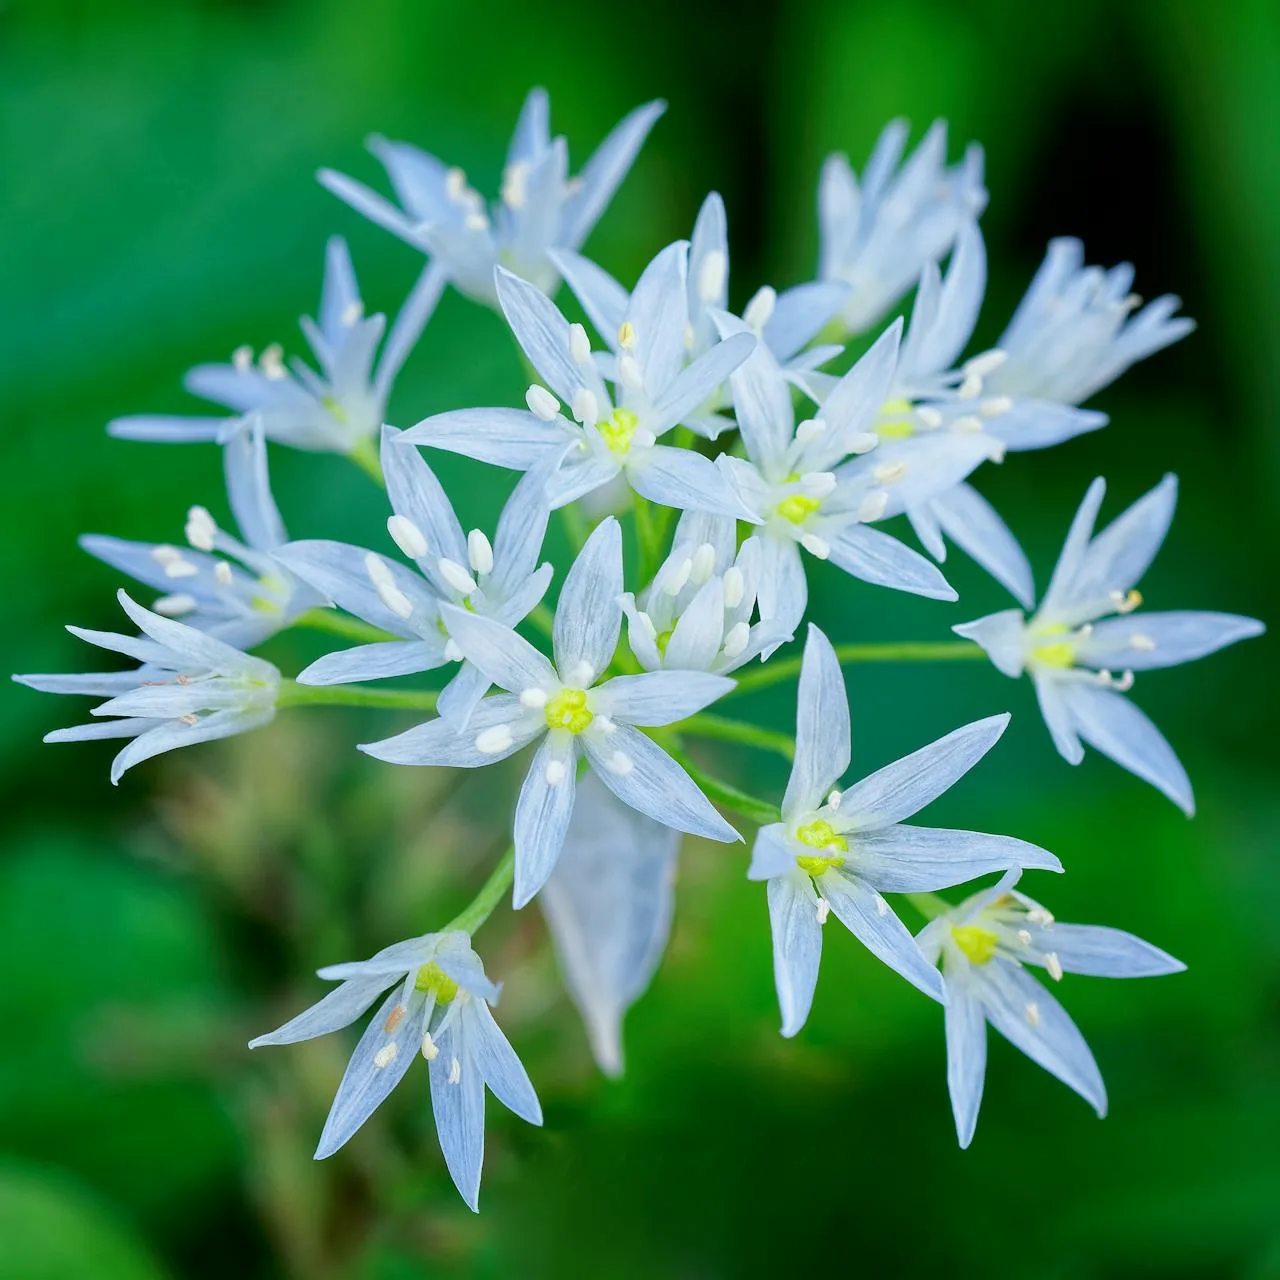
158,208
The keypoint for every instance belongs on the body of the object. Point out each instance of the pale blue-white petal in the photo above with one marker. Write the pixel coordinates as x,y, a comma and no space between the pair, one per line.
872,921
169,700
532,133
659,697
167,428
376,661
685,480
416,494
1118,557
102,684
192,646
906,859
1146,641
1041,424
692,387
761,402
410,321
966,1028
924,524
340,290
642,775
541,331
507,658
699,631
852,405
900,789
177,733
641,637
511,438
799,315
822,727
602,297
461,696
380,211
439,742
458,1108
580,475
589,614
877,558
139,647
1052,695
1103,952
771,854
502,1070
542,815
783,592
249,490
797,946
340,1008
517,542
104,729
659,312
1002,635
973,524
1074,548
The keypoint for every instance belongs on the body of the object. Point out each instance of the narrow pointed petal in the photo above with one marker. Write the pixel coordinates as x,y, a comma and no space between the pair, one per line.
973,524
906,859
1103,952
685,480
167,428
337,570
800,314
176,733
541,331
410,321
783,591
375,661
497,1062
659,697
1052,695
416,494
797,946
877,558
249,490
340,1008
1146,641
771,854
542,815
966,1027
589,615
461,696
439,742
602,297
458,1109
507,658
510,438
822,727
1118,557
1075,547
1002,635
699,632
694,385
761,401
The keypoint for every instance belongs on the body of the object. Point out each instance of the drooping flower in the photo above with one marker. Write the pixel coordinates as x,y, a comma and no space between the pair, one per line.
841,851
655,391
1085,631
190,688
984,945
562,705
235,590
877,234
340,409
439,1007
541,207
499,580
697,613
608,907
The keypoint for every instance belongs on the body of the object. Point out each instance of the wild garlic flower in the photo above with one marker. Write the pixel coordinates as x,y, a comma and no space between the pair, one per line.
340,409
696,615
807,487
499,580
541,207
561,705
1083,644
608,906
841,851
439,1007
655,391
190,688
984,946
235,590
877,234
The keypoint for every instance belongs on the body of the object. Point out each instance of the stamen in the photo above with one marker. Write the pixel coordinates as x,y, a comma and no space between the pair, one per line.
889,472
605,724
872,507
809,430
629,373
455,185
475,221
1140,641
1125,601
395,599
734,587
863,442
430,1050
542,404
455,1071
675,580
479,552
646,625
620,764
968,425
712,274
271,362
1033,1013
407,536
815,545
200,529
181,568
489,742
824,910
994,407
970,388
579,344
242,359
585,407
1053,965
555,772
834,797
222,572
736,640
704,564
985,363
455,575
626,335
377,570
818,484
533,698
583,673
513,184
929,417
760,309
386,1055
1038,915
643,438
394,1019
351,314
190,719
1024,937
174,606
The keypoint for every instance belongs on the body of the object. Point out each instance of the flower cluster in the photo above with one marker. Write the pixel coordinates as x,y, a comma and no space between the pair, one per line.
701,460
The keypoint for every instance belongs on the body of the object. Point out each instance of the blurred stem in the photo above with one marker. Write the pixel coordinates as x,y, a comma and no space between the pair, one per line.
928,905
780,671
481,907
339,624
365,456
293,694
725,730
761,812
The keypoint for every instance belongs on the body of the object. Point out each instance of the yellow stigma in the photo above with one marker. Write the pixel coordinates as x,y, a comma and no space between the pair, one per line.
1057,652
898,427
820,834
617,430
798,507
663,639
433,980
977,944
568,710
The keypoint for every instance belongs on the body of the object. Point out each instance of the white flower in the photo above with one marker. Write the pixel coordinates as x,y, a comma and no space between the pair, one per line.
562,705
1085,631
809,489
877,234
696,615
190,688
984,944
608,906
495,580
440,1008
236,591
541,207
655,391
339,410
840,851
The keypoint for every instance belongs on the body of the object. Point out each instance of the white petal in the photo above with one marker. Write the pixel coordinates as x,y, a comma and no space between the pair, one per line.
783,592
659,312
458,1109
822,727
852,406
249,490
1074,549
602,297
589,615
973,524
438,742
761,402
374,662
800,314
659,697
461,696
685,480
509,438
693,386
771,854
517,542
1104,953
906,859
410,321
1145,641
542,815
966,1028
1002,635
508,659
699,632
1118,557
340,1008
797,946
877,558
541,331
497,1062
171,736
1052,695
417,495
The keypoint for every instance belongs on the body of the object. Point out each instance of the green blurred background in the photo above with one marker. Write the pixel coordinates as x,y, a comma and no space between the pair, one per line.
159,209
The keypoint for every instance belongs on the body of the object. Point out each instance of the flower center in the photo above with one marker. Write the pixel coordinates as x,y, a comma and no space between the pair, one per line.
663,639
617,430
896,427
568,710
1054,652
977,944
820,834
434,981
796,508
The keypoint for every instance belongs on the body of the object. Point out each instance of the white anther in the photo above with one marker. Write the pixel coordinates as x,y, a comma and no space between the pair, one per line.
889,472
1086,630
704,564
514,181
491,741
190,719
995,406
643,438
455,185
165,554
555,772
872,507
689,337
579,344
646,625
985,363
585,407
620,764
998,450
394,1019
675,579
453,651
201,529
351,314
386,1055
377,570
834,797
809,430
475,221
713,271
1125,601
882,907
1124,683
629,373
815,545
542,404
929,417
271,362
1038,915
430,1050
174,606
760,309
181,568
604,723
242,359
736,640
455,1071
1024,937
1053,965
967,425
1033,1013
455,575
627,335
582,673
222,573
533,698
394,599
1143,642
818,484
735,587
824,910
479,552
970,388
863,442
407,536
